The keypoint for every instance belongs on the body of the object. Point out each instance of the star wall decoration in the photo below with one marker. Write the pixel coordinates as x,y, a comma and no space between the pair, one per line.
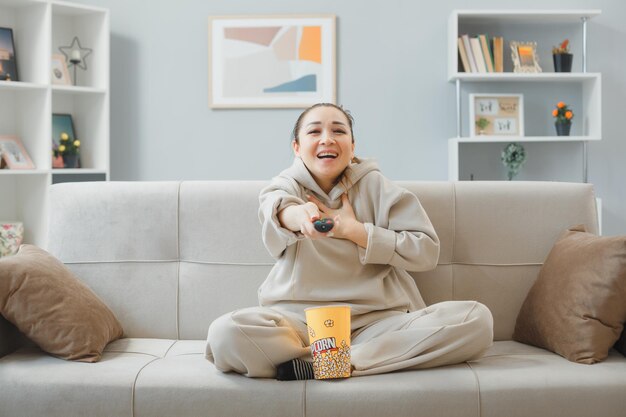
76,58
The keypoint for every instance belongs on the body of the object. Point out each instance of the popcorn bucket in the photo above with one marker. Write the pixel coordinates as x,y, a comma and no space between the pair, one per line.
329,335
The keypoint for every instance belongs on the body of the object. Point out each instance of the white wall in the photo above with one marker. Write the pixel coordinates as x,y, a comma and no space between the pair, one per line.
391,74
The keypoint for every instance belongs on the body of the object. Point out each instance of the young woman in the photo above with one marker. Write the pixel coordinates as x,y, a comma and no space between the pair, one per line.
381,231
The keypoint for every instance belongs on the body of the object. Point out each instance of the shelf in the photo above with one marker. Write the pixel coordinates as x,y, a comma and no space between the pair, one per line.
18,3
73,9
73,89
526,16
494,139
40,27
78,171
21,86
24,171
522,77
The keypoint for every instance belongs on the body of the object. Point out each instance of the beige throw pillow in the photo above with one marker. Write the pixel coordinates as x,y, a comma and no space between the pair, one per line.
577,306
52,307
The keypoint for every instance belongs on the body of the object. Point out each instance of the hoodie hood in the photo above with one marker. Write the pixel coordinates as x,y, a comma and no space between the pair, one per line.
355,171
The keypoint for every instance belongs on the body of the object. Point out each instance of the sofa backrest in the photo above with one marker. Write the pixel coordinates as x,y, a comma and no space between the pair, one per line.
169,257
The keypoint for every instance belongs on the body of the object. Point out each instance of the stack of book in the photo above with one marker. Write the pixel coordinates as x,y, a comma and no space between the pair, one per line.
478,54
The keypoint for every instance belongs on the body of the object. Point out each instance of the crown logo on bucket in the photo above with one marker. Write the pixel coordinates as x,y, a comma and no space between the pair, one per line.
329,335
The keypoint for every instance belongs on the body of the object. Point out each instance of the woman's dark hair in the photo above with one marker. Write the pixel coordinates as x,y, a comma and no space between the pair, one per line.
298,125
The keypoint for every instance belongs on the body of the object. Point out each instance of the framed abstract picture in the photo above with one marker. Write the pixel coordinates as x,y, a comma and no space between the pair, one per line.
271,61
496,115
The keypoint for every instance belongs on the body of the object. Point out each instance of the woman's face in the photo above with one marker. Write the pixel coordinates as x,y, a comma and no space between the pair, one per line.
325,144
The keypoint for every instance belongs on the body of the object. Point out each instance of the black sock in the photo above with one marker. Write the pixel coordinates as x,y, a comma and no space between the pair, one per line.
294,369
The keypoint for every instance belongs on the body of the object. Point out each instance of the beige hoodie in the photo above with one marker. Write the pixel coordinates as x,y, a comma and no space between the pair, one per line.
330,271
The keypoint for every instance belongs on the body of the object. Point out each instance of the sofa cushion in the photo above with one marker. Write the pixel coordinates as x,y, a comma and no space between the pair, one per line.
518,380
53,308
153,377
449,390
577,305
37,384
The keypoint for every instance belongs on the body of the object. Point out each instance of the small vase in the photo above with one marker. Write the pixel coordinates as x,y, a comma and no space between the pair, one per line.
562,129
70,161
563,62
57,162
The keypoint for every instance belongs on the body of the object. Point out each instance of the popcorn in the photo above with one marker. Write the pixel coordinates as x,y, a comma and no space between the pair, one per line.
332,363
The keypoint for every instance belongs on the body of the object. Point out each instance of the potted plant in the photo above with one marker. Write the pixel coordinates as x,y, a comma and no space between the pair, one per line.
482,124
513,157
70,151
562,58
563,119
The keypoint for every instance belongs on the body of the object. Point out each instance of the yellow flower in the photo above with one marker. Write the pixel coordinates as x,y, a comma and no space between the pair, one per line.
61,148
560,104
64,136
77,143
569,114
555,112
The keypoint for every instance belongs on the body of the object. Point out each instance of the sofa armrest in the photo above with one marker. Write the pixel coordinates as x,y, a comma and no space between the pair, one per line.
10,338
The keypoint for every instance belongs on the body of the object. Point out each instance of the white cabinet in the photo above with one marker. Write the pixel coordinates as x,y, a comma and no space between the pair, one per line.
478,157
26,106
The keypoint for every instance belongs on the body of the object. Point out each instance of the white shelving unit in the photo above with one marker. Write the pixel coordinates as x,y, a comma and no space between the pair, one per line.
26,106
588,117
550,27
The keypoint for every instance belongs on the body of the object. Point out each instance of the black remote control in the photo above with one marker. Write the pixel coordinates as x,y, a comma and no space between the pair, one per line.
323,225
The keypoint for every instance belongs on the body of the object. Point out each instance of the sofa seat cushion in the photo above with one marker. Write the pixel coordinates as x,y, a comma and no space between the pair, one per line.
185,384
35,383
156,377
449,390
520,380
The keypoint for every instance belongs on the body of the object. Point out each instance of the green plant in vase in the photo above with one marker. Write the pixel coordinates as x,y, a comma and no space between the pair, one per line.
563,119
69,150
482,124
513,157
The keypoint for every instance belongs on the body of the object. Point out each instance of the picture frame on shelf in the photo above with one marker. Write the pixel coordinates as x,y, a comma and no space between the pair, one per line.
63,124
60,74
524,56
13,155
8,60
496,115
279,61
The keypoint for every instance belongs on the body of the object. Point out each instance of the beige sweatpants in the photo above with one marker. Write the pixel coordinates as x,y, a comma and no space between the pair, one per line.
253,341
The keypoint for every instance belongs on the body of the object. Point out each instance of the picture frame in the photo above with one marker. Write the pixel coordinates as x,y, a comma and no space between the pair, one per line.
59,73
62,122
8,60
283,61
524,56
496,115
13,155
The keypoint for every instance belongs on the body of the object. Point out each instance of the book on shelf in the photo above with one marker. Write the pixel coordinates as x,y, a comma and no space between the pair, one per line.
484,44
498,53
463,55
481,53
468,51
478,55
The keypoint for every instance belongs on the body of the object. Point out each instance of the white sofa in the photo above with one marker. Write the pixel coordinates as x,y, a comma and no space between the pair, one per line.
169,257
